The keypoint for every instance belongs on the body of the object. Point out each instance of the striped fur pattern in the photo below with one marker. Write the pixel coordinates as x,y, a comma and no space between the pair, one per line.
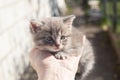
57,36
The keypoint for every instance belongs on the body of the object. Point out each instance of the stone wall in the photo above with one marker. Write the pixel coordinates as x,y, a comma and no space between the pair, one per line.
15,40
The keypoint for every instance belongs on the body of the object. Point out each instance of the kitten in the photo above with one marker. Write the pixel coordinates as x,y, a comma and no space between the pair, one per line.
57,36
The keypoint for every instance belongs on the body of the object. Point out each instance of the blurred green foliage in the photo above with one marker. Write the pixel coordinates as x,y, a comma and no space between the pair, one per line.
118,26
110,13
69,6
69,9
118,43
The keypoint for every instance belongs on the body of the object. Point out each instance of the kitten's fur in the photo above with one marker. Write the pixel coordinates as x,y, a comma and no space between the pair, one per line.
57,36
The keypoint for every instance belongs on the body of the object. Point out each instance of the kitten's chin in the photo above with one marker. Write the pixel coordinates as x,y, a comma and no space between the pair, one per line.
53,50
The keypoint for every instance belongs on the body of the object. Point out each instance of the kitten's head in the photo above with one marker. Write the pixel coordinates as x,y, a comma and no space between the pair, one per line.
53,33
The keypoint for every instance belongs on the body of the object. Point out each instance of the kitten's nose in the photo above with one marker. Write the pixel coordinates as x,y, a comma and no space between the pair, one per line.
57,45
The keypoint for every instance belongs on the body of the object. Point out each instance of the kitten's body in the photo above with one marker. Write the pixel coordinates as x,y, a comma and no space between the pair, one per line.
57,36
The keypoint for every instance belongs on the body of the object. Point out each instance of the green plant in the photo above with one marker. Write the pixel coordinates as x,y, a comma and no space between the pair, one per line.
69,7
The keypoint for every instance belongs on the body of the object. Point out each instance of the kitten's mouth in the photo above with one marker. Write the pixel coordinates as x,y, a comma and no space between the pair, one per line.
55,50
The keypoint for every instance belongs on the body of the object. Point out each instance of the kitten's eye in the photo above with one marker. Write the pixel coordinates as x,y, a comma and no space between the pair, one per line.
49,39
63,37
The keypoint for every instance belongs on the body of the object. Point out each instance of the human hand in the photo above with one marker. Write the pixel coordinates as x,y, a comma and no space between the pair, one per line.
50,68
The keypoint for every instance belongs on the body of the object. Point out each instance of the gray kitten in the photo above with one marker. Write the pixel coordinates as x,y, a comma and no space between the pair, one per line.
57,36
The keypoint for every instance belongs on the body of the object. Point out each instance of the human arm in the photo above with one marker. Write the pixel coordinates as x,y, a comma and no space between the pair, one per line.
50,68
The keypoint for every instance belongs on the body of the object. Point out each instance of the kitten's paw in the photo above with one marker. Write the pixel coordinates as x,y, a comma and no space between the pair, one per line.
61,55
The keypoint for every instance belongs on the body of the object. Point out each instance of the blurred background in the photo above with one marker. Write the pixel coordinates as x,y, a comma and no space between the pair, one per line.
98,19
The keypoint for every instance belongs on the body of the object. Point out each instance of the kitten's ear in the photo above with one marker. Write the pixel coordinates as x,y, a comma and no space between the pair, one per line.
69,19
35,25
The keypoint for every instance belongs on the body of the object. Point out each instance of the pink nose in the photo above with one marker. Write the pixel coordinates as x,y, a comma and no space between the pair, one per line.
57,45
